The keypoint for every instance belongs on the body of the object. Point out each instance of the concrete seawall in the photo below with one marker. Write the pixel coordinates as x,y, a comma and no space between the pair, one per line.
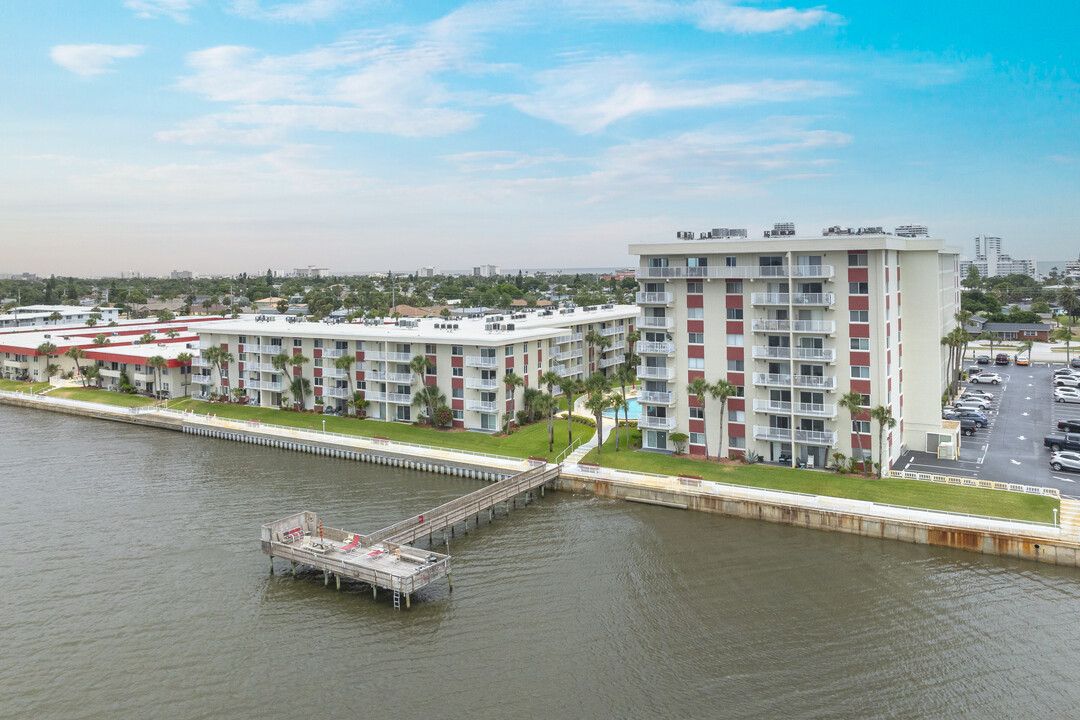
1028,541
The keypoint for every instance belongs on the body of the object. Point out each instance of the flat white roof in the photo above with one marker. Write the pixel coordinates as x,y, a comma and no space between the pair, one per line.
84,336
801,244
469,330
168,350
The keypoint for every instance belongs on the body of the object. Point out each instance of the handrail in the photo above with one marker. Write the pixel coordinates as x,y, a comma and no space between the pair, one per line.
569,448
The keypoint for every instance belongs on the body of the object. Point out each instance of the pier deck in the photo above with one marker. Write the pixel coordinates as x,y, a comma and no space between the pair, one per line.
385,559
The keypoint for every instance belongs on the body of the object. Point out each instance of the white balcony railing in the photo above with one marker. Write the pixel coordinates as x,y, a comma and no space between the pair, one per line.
109,372
645,347
810,437
799,326
738,272
649,422
818,382
567,355
268,349
335,392
656,323
200,362
201,379
770,298
764,352
480,406
653,397
333,372
813,299
334,353
263,367
481,384
649,372
611,331
772,379
388,356
568,370
808,409
655,298
481,361
611,361
373,396
399,398
399,378
616,346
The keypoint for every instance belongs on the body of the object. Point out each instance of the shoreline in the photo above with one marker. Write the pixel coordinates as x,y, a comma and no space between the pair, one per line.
1055,544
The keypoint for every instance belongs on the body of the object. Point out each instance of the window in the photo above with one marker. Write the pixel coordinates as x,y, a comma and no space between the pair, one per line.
695,287
429,349
242,339
455,350
695,313
697,338
860,371
242,357
361,384
734,313
740,391
508,351
432,370
697,262
736,443
318,362
508,394
862,427
770,261
734,340
457,393
457,372
697,438
734,287
296,342
735,365
857,260
860,343
318,382
865,401
695,363
697,413
737,416
859,316
658,262
318,343
858,288
459,414
729,261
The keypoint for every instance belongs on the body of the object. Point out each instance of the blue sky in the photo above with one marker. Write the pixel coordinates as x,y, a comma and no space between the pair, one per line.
238,135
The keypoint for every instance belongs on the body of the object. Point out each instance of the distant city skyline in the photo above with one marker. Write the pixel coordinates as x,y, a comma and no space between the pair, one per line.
164,135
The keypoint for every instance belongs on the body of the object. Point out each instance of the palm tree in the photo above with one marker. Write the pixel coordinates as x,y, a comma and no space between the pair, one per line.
172,333
47,349
990,337
631,348
698,387
217,356
545,404
528,401
598,403
56,317
157,362
722,390
345,362
592,338
1025,346
297,362
512,381
1069,302
101,339
885,419
624,375
92,373
430,398
91,321
619,402
185,359
77,353
852,402
299,387
571,387
1064,334
551,379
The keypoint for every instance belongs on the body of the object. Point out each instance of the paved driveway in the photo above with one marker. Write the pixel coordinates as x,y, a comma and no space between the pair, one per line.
1010,448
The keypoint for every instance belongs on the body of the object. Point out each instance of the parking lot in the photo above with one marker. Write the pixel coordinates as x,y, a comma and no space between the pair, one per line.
1010,449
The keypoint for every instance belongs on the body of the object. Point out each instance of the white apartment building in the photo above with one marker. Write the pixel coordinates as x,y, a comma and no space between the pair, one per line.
991,260
794,324
486,271
43,315
471,356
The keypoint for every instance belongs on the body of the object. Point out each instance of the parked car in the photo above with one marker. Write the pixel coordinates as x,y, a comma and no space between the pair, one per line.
977,392
1066,394
1072,426
1075,362
968,426
974,370
978,417
987,377
1067,380
1001,359
1068,441
974,402
1022,360
1065,461
984,359
1066,371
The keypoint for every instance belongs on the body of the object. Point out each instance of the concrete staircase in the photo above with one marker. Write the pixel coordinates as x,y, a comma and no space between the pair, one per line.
1070,519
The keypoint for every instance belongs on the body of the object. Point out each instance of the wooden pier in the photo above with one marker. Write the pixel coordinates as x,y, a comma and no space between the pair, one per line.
385,558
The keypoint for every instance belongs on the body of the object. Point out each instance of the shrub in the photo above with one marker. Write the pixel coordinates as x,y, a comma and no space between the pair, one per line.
444,416
839,461
752,457
679,440
588,422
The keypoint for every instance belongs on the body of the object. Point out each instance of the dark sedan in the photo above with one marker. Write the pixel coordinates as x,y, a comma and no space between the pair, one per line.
985,359
1069,426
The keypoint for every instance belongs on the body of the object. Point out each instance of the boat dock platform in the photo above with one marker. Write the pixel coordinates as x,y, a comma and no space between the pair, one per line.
385,558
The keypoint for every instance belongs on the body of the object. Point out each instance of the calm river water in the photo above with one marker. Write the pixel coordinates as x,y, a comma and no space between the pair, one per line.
133,587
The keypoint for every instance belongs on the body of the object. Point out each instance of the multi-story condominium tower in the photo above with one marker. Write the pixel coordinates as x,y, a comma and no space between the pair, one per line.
794,324
470,357
992,261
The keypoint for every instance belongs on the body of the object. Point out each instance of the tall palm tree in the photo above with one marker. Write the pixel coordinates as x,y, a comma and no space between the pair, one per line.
1069,302
297,362
619,402
157,362
299,387
419,365
546,404
631,347
699,387
722,390
147,338
91,321
77,353
990,337
598,403
345,362
429,397
512,381
884,417
185,359
1063,334
624,375
572,387
852,402
551,379
592,339
56,317
217,356
47,349
528,401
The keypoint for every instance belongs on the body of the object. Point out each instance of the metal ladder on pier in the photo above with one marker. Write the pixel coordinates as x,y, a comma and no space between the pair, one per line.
397,600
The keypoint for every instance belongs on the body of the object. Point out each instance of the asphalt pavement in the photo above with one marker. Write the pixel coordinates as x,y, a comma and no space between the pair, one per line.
1010,448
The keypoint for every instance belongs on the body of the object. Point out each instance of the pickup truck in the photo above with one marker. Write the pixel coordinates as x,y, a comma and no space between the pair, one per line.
1068,441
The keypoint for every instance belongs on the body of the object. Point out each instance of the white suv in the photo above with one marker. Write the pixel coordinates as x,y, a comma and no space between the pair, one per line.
987,377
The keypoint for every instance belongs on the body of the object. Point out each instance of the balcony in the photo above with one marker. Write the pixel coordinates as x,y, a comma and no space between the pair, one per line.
738,272
146,377
200,362
764,325
481,384
373,397
770,298
610,361
807,409
264,385
480,406
649,372
400,378
481,361
260,367
648,322
815,382
399,398
611,331
388,356
652,397
268,349
567,355
335,392
811,437
800,299
772,379
649,422
333,372
616,346
763,352
568,370
334,353
645,347
655,298
199,379
107,372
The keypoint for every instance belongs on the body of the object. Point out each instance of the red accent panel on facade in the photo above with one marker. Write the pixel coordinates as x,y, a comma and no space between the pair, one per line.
695,326
429,380
433,359
695,351
318,372
692,401
697,425
240,365
359,356
859,302
225,346
459,423
317,353
297,351
733,301
735,327
859,330
318,391
241,384
510,363
735,353
457,404
860,358
887,303
736,378
857,274
860,386
736,429
697,449
457,383
695,301
539,357
457,361
737,404
692,375
359,375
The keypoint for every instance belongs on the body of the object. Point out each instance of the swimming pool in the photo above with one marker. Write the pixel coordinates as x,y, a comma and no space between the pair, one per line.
635,410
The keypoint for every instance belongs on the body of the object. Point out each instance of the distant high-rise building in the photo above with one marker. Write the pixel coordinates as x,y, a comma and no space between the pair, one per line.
486,271
912,231
180,275
427,272
990,261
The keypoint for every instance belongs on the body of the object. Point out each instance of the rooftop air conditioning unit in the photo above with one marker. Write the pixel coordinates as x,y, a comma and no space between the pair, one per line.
510,326
455,326
134,342
49,337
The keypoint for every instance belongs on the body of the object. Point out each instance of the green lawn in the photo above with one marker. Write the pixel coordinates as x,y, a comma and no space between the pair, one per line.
911,493
16,386
105,397
531,440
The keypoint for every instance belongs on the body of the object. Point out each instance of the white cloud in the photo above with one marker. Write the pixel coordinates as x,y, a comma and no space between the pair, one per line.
89,60
175,9
590,95
290,12
707,15
501,160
